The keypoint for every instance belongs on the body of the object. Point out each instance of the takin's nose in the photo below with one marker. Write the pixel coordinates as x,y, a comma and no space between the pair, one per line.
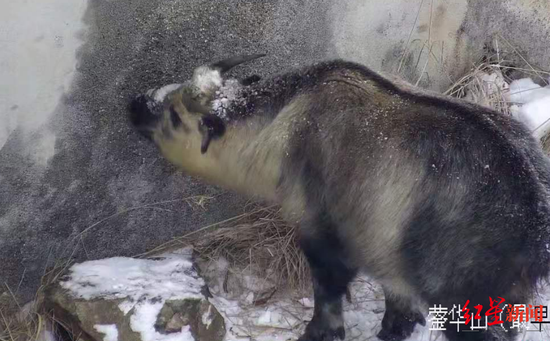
143,115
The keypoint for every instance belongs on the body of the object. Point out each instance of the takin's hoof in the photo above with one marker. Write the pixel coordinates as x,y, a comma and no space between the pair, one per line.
401,329
319,332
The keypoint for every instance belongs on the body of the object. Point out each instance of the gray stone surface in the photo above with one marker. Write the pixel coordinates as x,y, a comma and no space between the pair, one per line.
81,316
521,26
101,167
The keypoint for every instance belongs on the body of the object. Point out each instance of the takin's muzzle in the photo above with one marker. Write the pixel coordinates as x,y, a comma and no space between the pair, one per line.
143,115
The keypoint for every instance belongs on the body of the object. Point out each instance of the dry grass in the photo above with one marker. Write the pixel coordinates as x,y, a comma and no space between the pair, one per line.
503,63
257,242
502,60
22,329
477,88
30,322
262,243
487,82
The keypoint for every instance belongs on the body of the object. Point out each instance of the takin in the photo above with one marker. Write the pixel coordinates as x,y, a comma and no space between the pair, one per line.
441,201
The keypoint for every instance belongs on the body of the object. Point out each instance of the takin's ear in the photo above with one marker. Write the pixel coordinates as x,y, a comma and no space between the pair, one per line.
250,80
211,128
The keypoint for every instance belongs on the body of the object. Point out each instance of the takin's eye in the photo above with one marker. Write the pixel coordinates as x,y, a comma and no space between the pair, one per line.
175,118
143,115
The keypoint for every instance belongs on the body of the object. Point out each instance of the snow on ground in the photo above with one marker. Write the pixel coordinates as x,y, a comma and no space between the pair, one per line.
528,102
285,316
531,105
110,331
144,284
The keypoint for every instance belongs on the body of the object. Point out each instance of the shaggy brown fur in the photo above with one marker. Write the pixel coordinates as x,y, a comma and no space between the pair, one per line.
440,200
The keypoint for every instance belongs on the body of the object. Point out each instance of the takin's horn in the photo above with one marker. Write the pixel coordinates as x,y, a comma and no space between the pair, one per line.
227,64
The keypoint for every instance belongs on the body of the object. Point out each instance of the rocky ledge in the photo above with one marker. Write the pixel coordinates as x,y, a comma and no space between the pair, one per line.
129,299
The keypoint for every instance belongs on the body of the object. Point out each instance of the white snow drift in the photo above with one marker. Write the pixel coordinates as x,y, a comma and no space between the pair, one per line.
531,105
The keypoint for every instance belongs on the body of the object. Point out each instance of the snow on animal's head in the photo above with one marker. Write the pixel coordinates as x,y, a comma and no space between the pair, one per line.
207,80
178,118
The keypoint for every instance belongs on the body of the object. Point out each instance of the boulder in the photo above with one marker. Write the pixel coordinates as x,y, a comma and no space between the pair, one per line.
129,299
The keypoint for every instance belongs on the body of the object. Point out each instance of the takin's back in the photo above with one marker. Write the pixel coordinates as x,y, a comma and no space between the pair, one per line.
442,193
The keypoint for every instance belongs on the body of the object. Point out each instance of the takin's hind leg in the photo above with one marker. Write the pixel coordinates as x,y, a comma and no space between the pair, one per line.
331,276
399,319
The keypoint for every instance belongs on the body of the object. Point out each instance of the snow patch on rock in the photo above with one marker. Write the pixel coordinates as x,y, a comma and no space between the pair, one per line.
143,285
110,331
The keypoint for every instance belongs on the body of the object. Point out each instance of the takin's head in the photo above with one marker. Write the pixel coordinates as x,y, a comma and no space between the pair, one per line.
179,116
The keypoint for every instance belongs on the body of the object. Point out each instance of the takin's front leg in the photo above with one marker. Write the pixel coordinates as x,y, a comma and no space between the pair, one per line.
331,276
399,319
